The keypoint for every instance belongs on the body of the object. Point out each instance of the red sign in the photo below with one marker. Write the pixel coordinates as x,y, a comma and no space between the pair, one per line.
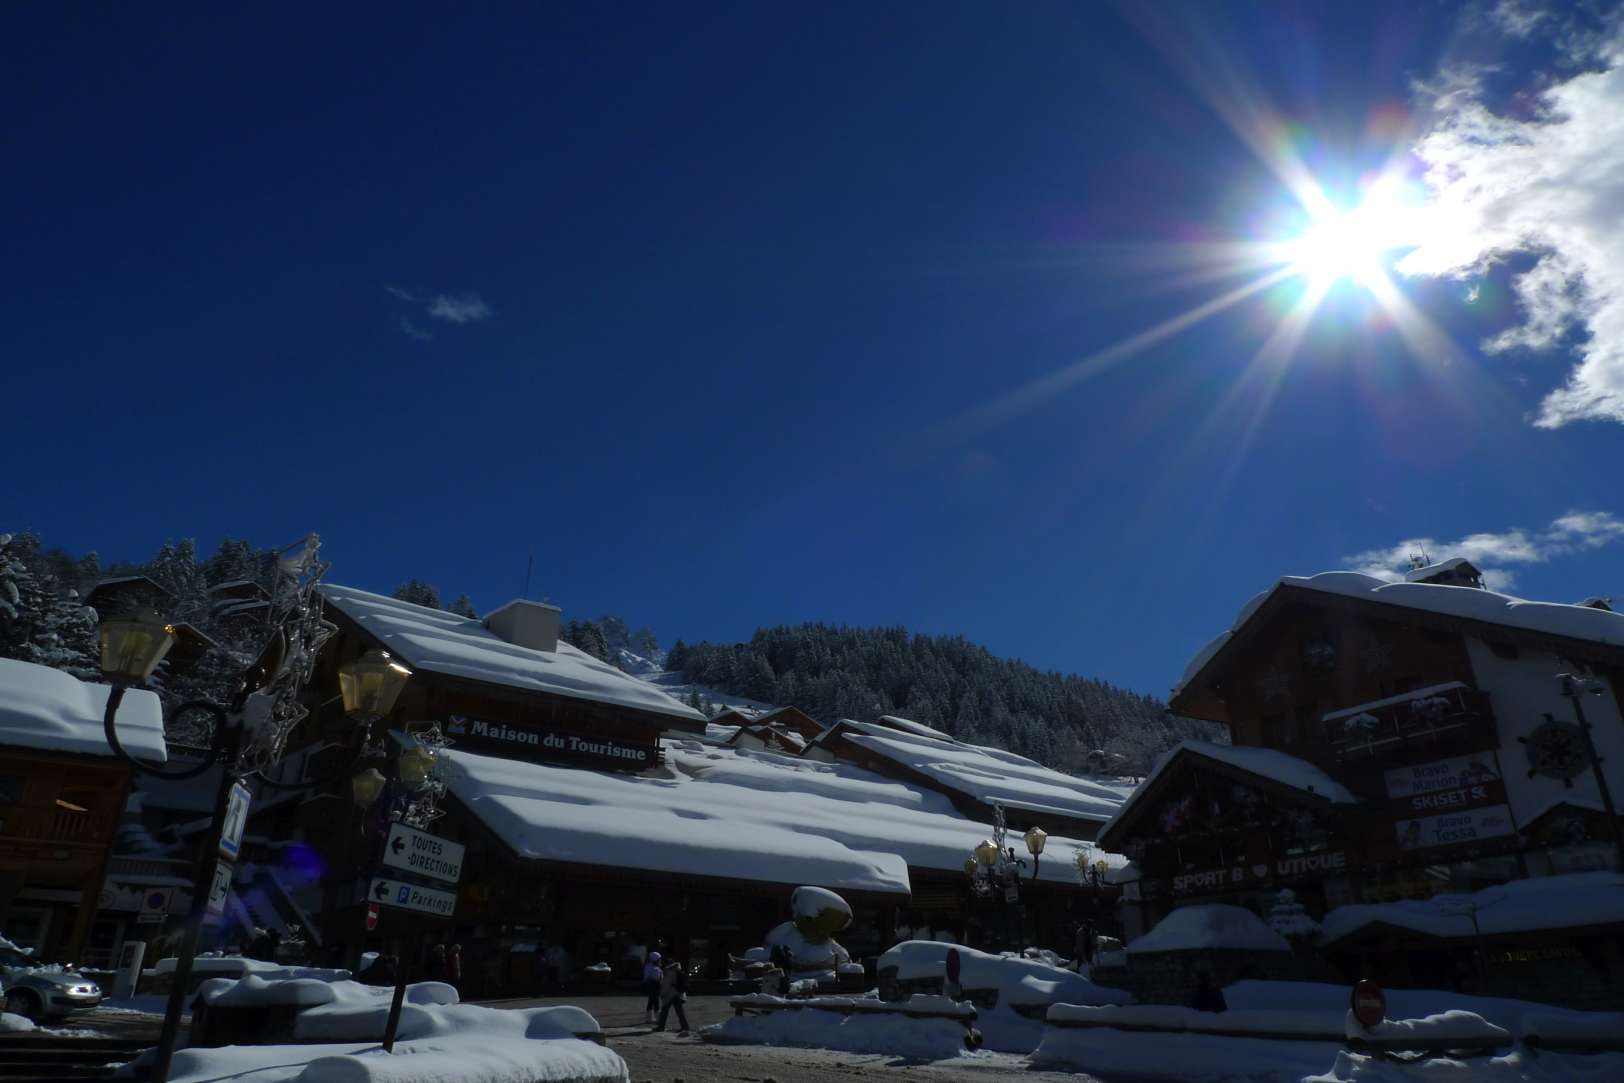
1369,1003
372,916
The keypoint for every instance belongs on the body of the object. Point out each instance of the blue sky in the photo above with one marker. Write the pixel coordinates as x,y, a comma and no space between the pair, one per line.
737,315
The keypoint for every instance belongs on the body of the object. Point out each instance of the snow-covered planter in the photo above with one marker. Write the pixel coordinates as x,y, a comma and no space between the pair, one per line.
923,1027
1451,1030
1226,942
1010,992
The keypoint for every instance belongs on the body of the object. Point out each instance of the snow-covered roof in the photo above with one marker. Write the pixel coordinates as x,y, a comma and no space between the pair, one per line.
1393,701
442,642
46,708
728,812
1539,902
918,729
1551,618
1269,763
989,775
1210,925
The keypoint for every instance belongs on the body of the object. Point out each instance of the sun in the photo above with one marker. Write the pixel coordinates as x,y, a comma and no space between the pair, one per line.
1343,243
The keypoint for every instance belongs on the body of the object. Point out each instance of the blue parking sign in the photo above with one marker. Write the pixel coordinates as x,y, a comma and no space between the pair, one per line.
405,893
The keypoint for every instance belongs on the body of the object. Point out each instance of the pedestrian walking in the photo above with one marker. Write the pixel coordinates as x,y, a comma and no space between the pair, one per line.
453,967
434,966
651,986
673,994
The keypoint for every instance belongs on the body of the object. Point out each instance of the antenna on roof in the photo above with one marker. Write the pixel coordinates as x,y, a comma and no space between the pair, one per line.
528,568
1419,560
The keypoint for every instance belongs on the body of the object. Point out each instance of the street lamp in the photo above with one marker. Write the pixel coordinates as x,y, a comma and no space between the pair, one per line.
367,787
1035,838
987,853
132,646
370,685
415,765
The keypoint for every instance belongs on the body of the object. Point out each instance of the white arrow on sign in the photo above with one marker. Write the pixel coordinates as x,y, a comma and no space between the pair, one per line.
399,893
427,855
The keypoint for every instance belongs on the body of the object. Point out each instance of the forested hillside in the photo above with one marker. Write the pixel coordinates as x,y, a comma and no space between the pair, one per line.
943,681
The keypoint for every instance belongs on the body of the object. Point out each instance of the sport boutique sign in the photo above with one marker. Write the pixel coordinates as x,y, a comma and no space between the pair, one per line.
542,744
1285,868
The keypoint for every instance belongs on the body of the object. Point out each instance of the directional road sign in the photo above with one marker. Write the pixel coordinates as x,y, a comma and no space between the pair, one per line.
220,888
412,897
426,855
236,819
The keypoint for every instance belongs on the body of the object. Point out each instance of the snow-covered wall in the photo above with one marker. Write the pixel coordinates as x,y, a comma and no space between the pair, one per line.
1522,691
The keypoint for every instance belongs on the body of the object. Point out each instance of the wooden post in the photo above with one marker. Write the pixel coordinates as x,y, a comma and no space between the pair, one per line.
402,973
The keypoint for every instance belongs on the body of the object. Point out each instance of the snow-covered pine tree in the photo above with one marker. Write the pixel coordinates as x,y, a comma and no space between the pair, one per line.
66,638
464,607
418,593
1288,918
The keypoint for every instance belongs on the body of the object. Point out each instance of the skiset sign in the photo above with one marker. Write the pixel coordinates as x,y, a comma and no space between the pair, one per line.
1456,784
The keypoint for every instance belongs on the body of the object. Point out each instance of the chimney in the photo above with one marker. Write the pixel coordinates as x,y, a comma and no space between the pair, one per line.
524,623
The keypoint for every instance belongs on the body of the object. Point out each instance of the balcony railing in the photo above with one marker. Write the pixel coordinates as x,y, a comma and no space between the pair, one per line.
54,825
1451,715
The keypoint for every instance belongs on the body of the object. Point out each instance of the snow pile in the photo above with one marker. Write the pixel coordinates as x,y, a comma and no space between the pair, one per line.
756,816
816,960
1511,1015
1180,1057
237,966
944,1005
1450,1026
1020,983
1210,925
468,1058
888,1033
1518,1066
442,642
46,708
11,1022
1540,902
1578,1028
1325,1025
989,775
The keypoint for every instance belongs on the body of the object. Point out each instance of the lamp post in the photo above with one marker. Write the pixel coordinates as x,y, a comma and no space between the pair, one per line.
1035,839
250,737
1575,688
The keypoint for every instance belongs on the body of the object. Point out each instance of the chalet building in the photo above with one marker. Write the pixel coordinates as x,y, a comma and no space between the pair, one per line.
785,729
1398,741
61,794
601,820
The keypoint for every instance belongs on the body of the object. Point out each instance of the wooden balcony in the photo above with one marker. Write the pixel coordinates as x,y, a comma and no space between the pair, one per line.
1444,720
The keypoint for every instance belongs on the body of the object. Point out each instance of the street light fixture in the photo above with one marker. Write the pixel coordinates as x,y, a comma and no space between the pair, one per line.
987,853
415,765
367,787
132,646
1035,838
371,684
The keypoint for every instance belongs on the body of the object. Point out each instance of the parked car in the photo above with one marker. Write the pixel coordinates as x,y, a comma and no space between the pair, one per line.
40,993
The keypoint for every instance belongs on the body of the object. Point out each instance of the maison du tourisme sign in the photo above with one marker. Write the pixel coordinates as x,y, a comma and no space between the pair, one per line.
541,744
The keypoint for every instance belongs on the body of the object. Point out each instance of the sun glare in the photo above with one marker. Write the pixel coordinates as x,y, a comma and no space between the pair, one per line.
1352,244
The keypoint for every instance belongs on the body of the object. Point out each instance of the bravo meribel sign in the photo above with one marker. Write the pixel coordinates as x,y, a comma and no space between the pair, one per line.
1285,868
540,744
1445,786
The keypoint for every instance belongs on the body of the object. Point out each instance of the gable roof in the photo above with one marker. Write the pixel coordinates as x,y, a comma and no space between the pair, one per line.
1276,769
441,642
1582,629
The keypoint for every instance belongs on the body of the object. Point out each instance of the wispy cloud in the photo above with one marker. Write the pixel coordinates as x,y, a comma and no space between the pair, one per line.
1574,532
1547,183
451,308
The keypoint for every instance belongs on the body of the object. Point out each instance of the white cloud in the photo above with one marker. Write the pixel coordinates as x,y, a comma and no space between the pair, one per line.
1550,185
1573,532
452,308
466,309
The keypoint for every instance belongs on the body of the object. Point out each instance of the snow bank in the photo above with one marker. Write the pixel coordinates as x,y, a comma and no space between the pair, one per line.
470,1058
1210,925
41,707
1577,1027
236,966
12,1022
1519,1066
872,1005
892,1035
1539,902
1184,1058
1327,1025
442,642
1019,982
1452,1025
1511,1015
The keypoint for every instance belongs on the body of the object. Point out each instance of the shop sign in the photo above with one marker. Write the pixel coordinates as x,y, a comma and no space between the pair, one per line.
540,744
1444,785
1235,876
1453,828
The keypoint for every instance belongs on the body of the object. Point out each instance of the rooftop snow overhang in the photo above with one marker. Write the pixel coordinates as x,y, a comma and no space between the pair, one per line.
1198,693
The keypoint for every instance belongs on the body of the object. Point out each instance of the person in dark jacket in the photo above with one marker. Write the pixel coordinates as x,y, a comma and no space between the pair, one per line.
651,986
453,966
434,965
1207,996
673,993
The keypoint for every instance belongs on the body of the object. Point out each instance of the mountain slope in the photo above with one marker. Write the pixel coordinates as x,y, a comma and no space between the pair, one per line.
946,682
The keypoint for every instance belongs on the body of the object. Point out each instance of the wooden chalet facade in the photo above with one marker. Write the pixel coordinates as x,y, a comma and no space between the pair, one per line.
1422,744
